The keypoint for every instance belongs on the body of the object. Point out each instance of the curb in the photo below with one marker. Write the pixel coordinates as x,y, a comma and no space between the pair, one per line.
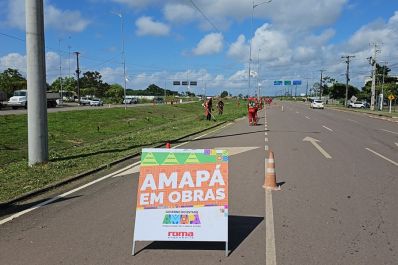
92,171
364,112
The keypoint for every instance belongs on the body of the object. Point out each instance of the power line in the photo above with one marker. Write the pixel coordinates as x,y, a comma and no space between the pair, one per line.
204,15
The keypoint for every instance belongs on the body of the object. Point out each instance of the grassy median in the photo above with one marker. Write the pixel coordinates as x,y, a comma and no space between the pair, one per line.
83,140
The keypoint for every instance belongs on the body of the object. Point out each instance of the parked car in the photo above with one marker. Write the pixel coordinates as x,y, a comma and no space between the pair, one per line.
130,100
85,101
158,100
357,105
317,104
96,102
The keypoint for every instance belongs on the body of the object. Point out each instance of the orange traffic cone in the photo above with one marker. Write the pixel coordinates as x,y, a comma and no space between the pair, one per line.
270,176
168,145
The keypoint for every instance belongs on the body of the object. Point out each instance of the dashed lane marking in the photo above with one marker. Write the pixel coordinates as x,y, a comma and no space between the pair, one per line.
380,155
389,131
327,128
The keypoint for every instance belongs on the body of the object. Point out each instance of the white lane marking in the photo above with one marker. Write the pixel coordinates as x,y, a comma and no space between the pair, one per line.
297,112
396,144
352,121
266,139
237,150
266,148
327,128
270,252
265,133
37,206
308,118
385,158
388,131
317,146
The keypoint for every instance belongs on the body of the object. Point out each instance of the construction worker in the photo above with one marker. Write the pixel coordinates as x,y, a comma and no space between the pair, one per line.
208,108
220,107
252,108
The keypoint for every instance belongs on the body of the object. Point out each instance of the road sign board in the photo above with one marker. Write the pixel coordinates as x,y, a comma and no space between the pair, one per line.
296,82
184,83
182,195
176,83
391,97
193,83
288,82
278,83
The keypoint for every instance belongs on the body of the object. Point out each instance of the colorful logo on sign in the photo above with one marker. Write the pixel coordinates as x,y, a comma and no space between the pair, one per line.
181,219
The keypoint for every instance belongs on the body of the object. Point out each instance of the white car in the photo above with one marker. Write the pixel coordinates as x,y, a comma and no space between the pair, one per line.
317,104
357,105
96,102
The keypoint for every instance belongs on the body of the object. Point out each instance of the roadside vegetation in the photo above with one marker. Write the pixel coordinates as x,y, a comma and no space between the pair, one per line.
83,140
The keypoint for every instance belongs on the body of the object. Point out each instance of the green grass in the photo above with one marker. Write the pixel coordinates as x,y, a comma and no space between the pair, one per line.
83,140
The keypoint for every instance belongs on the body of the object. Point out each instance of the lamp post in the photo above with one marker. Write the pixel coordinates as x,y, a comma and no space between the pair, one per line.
123,57
60,71
382,85
258,75
250,49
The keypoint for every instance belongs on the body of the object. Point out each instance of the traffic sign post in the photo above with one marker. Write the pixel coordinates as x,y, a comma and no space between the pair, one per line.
390,98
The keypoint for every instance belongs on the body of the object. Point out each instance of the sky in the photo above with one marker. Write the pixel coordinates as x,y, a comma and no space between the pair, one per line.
208,41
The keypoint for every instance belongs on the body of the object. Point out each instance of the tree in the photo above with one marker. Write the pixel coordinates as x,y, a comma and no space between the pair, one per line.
115,93
92,82
11,80
224,94
68,84
389,86
337,91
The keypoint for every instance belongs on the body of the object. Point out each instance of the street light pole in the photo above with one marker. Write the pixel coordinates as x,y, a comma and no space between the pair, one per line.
251,30
258,75
382,85
123,57
60,71
36,83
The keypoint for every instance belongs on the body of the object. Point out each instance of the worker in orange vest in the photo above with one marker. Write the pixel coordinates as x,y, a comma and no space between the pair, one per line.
252,108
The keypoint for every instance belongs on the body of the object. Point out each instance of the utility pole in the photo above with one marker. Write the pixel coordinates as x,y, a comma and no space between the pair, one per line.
36,82
306,90
372,61
78,76
348,58
320,84
382,85
60,71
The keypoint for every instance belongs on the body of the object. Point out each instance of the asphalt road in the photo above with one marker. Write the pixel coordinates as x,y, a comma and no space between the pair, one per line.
338,203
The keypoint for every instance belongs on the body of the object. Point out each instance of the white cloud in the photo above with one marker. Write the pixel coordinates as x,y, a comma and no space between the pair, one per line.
137,3
239,49
147,26
267,43
210,44
66,20
14,61
179,13
18,61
